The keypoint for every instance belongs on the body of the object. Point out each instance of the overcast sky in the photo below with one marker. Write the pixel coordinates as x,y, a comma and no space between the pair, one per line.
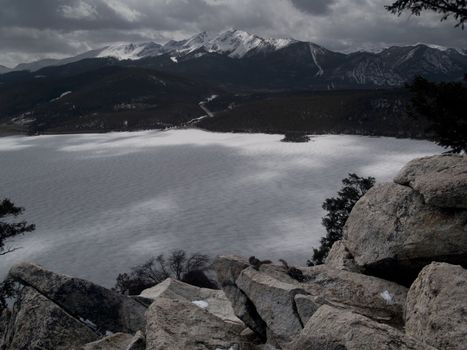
34,29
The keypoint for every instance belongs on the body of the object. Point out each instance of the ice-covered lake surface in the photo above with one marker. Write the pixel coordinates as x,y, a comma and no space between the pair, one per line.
105,202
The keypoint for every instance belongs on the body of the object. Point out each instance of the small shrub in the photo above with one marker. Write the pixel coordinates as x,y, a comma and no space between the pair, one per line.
155,270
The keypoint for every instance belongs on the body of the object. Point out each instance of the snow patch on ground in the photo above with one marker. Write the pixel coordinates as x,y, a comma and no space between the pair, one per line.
203,304
387,297
174,59
61,96
211,98
314,50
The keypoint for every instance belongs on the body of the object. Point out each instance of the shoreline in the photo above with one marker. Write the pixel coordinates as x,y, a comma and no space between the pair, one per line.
16,132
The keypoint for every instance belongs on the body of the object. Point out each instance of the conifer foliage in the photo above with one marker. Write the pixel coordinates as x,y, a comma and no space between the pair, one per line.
455,8
445,106
339,209
8,228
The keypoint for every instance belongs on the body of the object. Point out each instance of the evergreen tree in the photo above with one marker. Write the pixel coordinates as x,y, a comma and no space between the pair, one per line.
10,229
339,209
443,104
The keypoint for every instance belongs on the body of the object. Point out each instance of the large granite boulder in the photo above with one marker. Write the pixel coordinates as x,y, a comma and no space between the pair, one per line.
106,309
436,310
228,268
274,301
441,179
335,329
38,323
393,233
177,324
381,300
284,304
214,301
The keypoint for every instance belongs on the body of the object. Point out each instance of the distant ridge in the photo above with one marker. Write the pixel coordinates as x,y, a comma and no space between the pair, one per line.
232,43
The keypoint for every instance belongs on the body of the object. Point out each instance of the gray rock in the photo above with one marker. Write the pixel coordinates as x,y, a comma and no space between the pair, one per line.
285,305
391,229
370,296
274,302
117,341
436,310
108,310
441,179
335,329
180,325
307,305
215,301
340,258
228,268
38,323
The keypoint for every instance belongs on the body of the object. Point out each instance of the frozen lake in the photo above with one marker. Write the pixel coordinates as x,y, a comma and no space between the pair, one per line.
103,203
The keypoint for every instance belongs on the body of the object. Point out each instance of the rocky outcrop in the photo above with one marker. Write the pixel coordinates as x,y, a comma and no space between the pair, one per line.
335,329
392,233
441,180
176,324
228,268
436,310
373,297
285,304
394,230
38,323
214,301
263,290
107,310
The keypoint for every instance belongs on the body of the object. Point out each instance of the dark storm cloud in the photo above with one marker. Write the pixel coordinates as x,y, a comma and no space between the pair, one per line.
33,29
314,7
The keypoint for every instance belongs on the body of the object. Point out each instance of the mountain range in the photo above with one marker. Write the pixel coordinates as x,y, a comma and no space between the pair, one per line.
239,58
148,85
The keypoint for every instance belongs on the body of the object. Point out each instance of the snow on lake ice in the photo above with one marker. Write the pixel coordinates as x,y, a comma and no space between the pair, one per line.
105,202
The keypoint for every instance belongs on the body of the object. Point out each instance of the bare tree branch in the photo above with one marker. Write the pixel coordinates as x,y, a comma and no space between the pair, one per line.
455,8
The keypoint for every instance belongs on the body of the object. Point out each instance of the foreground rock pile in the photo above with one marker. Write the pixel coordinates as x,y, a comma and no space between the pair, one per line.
396,281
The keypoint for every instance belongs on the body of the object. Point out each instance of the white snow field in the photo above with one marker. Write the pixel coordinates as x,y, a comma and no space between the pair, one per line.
105,202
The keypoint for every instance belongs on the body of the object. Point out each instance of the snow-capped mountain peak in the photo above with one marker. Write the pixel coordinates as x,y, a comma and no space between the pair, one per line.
232,42
237,43
131,51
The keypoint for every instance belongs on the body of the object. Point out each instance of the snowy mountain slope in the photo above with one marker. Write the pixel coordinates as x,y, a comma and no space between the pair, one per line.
131,51
233,43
